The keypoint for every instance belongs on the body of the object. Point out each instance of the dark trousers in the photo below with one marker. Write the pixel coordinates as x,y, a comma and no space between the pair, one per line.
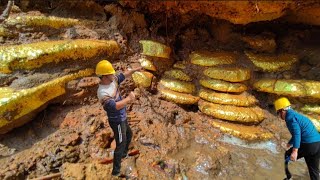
311,154
123,135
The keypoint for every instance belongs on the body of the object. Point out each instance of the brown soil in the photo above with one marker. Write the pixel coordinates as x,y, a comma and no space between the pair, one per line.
72,134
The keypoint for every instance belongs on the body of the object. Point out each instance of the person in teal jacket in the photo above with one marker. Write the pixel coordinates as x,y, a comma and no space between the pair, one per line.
305,140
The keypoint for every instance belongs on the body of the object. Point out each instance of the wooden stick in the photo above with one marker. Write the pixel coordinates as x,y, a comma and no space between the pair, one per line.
47,177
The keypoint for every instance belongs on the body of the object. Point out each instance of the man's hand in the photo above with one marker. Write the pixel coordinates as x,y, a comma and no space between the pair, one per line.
132,96
129,72
294,154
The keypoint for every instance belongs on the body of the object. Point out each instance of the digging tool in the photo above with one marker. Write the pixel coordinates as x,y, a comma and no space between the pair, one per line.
286,163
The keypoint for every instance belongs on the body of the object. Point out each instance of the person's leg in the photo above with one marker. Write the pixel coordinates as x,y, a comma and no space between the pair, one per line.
119,130
129,138
312,160
313,167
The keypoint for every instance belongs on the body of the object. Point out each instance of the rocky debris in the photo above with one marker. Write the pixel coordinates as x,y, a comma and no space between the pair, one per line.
77,134
237,12
6,151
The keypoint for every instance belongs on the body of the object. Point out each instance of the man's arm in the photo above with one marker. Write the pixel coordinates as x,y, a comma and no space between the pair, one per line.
112,105
128,73
296,134
121,104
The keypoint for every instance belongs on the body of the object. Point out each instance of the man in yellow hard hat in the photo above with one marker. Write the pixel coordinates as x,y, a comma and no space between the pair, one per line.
115,106
305,140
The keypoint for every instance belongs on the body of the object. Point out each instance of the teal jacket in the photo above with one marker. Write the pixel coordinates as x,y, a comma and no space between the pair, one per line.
301,129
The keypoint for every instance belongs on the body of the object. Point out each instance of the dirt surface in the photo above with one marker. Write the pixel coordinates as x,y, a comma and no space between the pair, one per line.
72,134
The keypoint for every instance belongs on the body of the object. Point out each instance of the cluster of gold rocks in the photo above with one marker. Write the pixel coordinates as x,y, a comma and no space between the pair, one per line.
269,62
175,85
19,106
222,89
223,95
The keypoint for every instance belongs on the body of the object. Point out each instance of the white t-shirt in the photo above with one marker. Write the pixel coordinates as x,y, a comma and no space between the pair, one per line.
109,90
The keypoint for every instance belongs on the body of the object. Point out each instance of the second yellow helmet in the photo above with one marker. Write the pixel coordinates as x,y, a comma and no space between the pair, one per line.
281,103
104,67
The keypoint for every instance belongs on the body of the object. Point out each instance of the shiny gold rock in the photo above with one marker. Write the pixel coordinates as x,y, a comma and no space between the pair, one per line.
311,109
243,99
293,88
223,86
249,133
18,107
272,63
142,79
48,21
30,56
206,58
179,98
178,86
155,49
230,74
232,113
147,64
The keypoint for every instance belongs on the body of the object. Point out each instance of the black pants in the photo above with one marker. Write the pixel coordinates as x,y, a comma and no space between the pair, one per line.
123,135
311,154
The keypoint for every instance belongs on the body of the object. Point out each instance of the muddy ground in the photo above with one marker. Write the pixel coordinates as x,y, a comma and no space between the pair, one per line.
72,134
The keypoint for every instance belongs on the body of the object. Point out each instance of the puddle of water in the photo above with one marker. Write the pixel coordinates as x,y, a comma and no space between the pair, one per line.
266,145
249,161
261,160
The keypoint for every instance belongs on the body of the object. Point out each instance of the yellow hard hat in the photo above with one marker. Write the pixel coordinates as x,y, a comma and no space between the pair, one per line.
104,67
281,103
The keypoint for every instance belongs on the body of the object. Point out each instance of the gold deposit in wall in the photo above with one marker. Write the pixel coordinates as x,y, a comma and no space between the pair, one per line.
293,88
206,58
243,99
232,113
17,104
272,63
30,56
155,49
311,109
231,74
249,133
49,21
179,86
179,98
223,86
142,79
147,64
177,74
